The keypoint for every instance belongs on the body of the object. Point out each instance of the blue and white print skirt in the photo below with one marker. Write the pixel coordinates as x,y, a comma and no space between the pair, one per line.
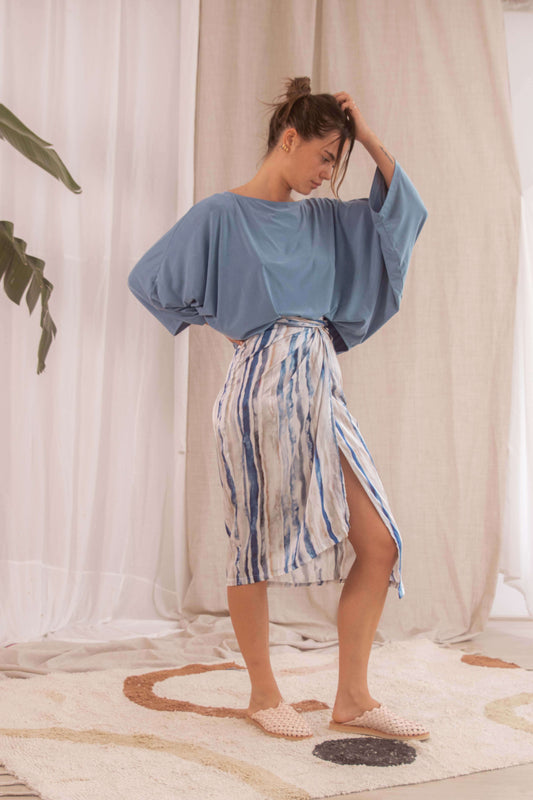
279,421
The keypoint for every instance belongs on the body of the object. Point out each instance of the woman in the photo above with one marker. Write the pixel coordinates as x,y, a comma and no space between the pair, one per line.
291,284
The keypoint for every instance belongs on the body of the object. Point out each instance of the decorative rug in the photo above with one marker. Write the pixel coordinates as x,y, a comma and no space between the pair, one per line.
181,733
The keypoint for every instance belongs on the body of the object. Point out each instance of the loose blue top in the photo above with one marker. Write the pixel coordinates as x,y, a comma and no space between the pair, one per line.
240,263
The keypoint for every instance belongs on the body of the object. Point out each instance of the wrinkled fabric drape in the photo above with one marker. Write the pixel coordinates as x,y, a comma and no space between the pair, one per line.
93,452
431,389
516,561
153,105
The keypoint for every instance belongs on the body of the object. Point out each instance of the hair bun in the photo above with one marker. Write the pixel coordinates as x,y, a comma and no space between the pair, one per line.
296,87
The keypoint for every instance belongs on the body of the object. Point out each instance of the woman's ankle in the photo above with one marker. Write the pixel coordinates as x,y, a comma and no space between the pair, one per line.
354,702
264,698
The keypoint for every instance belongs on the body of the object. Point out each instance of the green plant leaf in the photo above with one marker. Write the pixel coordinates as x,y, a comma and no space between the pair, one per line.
49,331
18,270
34,148
34,290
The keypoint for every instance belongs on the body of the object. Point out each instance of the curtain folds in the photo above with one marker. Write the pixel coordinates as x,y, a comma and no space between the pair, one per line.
111,502
430,390
93,456
516,560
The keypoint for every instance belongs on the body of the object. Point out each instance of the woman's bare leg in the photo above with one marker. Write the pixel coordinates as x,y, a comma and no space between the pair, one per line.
362,598
248,607
360,607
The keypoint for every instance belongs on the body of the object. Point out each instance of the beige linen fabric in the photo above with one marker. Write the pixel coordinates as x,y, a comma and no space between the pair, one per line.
431,389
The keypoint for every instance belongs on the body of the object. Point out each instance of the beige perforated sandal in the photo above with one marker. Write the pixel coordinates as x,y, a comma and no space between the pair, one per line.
383,723
281,721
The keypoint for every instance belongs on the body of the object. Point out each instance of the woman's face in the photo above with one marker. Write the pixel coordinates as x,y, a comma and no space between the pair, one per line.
310,163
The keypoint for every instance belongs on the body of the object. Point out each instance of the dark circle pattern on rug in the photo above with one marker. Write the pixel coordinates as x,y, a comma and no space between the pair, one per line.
366,751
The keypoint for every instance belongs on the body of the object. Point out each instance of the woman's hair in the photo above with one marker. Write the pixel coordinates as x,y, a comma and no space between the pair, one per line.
312,115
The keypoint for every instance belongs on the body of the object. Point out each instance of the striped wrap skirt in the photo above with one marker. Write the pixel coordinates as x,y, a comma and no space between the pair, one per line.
280,422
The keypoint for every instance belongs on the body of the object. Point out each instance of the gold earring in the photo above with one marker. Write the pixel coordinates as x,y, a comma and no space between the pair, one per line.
284,147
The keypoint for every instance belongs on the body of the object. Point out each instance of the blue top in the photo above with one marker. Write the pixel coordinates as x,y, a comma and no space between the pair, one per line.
240,263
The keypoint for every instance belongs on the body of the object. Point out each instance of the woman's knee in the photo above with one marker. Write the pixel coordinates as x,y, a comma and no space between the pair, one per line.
389,552
369,536
381,552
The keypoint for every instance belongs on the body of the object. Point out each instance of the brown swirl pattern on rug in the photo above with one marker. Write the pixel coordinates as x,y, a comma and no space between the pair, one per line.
140,689
479,660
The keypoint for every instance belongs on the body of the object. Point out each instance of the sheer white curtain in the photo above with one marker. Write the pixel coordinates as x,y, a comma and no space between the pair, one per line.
517,546
92,455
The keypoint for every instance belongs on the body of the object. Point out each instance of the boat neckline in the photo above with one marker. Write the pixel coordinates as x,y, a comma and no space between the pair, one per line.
270,202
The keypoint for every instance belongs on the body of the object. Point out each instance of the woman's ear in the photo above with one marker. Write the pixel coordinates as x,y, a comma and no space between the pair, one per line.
291,138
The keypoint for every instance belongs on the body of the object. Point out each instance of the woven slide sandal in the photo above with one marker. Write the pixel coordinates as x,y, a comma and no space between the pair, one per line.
281,721
383,723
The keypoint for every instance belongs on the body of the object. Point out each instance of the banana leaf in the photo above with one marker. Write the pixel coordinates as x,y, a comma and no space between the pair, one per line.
36,149
20,271
23,272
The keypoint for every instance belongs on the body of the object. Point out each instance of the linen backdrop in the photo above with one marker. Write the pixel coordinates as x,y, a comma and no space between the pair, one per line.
516,560
431,389
153,105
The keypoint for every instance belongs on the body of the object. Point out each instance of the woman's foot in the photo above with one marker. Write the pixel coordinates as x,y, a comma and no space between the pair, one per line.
270,713
260,702
282,721
383,723
350,706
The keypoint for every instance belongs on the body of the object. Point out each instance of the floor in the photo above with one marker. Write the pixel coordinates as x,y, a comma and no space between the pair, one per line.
510,640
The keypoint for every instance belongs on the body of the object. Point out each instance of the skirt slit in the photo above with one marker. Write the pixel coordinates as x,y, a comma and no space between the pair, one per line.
280,422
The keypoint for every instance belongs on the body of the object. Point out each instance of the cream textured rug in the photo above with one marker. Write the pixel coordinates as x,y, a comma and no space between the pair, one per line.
179,733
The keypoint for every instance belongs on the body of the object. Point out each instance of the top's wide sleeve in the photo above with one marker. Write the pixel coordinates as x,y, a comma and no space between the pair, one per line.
374,239
171,279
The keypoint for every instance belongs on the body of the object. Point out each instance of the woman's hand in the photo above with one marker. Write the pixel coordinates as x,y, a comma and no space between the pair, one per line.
362,130
384,160
235,341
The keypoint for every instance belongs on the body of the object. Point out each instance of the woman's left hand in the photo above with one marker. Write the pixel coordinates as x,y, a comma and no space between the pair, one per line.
347,104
